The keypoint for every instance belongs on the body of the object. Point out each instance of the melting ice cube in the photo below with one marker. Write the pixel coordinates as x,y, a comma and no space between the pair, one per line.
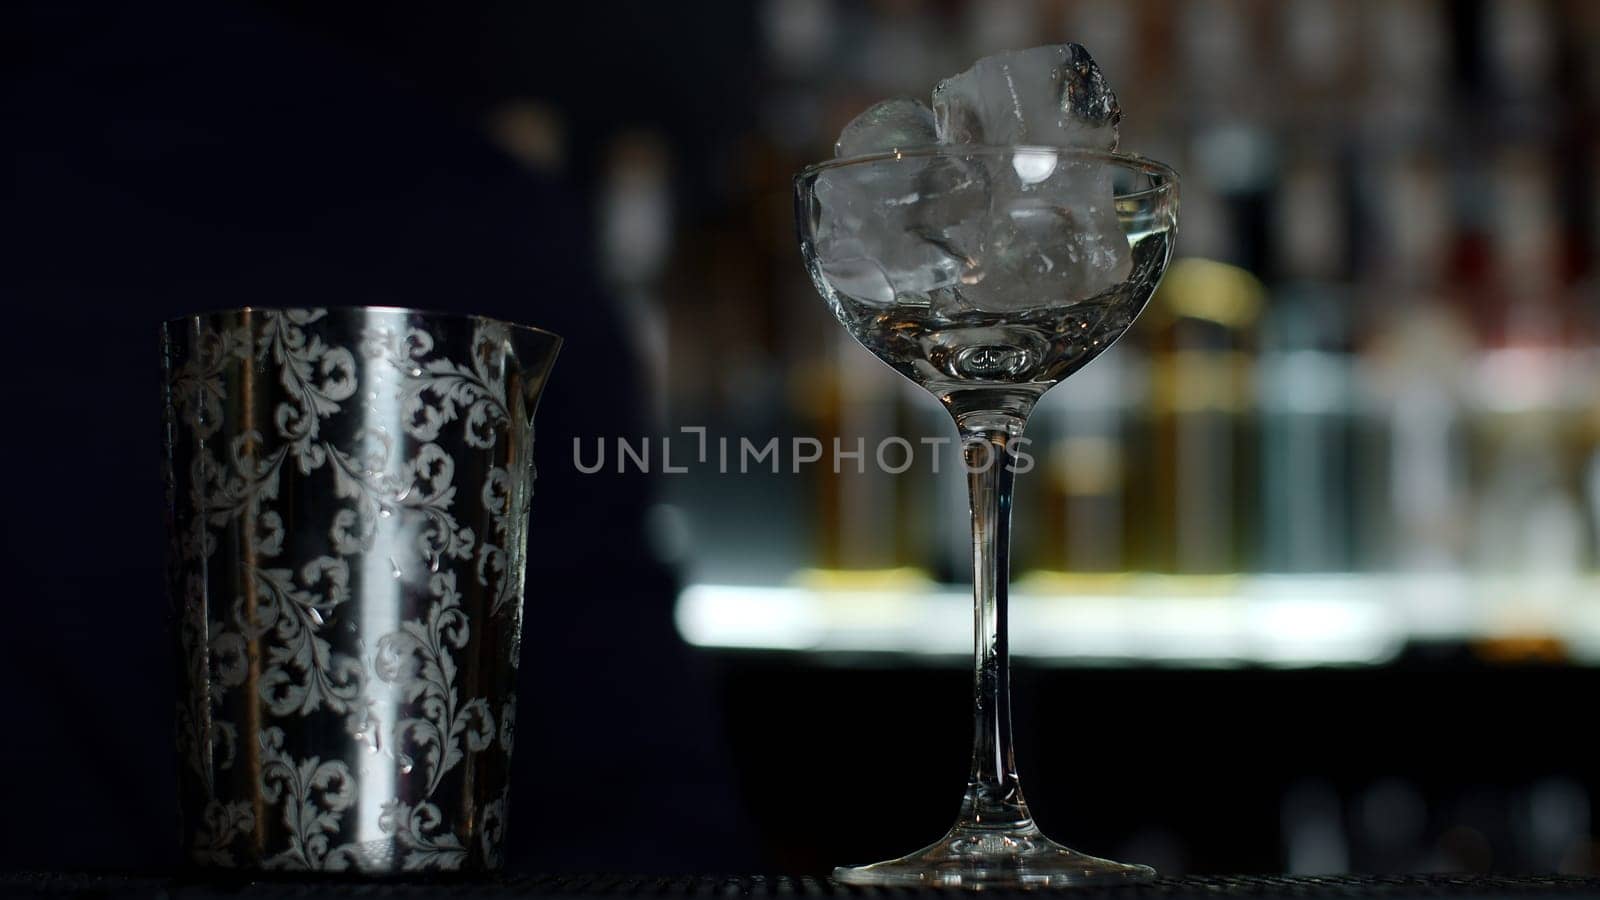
1035,228
1047,241
898,123
870,242
1055,96
1051,236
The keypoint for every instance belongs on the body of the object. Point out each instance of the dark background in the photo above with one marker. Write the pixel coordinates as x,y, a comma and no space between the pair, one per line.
178,156
175,156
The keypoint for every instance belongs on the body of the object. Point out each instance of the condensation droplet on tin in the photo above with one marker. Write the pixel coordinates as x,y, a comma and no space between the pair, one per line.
394,568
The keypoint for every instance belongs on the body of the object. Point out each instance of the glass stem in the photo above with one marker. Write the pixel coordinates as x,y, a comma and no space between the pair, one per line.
993,800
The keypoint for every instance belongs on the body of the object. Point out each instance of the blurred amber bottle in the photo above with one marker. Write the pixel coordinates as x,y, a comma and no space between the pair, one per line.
864,512
1194,503
1081,445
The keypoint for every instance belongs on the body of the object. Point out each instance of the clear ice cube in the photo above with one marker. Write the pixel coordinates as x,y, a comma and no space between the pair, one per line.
898,123
1033,228
1054,96
1051,236
871,242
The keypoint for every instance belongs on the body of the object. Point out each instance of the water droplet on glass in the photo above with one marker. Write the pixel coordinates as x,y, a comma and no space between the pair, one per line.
415,372
394,568
405,768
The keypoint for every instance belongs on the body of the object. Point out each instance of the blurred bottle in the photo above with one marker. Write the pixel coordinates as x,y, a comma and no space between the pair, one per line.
1305,376
1415,362
1580,27
1083,433
1085,428
996,25
636,213
1588,312
1591,483
802,42
941,488
1519,51
1407,68
1316,38
1528,434
861,514
1194,496
1111,31
1198,497
1217,53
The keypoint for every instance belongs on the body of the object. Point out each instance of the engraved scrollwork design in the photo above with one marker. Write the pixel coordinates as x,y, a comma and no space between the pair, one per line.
417,659
423,488
492,829
497,569
438,391
221,824
315,795
418,830
277,496
197,386
318,378
303,672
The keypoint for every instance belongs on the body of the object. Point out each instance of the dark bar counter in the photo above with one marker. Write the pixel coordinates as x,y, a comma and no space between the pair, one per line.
758,887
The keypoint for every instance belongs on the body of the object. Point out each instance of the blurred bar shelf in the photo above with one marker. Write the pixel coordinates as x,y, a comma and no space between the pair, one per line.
1276,621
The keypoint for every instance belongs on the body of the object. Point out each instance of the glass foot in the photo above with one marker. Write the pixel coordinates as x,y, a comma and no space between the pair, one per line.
1021,857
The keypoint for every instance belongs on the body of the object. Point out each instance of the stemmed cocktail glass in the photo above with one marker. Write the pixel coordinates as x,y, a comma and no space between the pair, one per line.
987,275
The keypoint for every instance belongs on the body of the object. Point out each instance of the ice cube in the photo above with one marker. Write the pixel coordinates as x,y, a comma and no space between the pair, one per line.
1053,96
1032,228
1051,237
870,242
898,123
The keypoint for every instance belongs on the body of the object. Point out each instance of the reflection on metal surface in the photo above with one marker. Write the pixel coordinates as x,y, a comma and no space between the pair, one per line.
347,496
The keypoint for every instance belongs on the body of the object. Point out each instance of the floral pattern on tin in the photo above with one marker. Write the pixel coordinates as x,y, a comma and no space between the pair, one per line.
273,646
